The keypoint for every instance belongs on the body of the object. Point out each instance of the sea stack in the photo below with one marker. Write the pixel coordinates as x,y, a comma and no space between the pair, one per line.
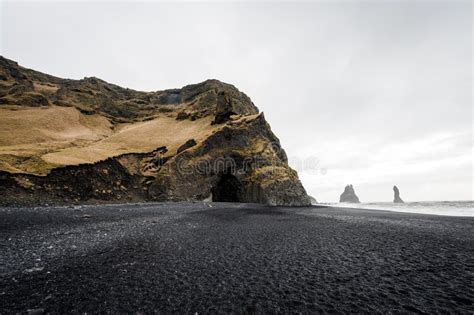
349,195
396,195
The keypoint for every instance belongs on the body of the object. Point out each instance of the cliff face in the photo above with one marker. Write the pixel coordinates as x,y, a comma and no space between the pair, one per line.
349,195
88,141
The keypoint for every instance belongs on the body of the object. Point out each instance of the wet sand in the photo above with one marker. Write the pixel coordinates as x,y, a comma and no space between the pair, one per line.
191,257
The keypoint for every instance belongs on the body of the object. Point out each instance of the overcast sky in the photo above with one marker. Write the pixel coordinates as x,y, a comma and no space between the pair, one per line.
368,93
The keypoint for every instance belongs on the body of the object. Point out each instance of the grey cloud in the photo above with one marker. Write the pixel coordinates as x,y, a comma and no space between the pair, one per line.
342,81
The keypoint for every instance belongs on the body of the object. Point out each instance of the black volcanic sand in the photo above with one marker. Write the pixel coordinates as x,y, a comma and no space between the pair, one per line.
194,257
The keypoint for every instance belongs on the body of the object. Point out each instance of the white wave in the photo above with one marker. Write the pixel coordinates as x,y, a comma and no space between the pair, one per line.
449,208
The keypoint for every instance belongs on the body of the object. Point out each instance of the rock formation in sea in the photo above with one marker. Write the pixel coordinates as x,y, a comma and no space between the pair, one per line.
68,141
349,195
396,195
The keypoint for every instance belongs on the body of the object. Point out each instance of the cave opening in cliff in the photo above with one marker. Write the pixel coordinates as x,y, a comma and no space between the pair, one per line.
227,189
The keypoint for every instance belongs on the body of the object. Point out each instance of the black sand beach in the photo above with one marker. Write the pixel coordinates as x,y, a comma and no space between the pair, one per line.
195,257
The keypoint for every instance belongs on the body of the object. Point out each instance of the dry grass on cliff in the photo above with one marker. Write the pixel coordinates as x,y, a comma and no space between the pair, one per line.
35,140
45,88
136,138
37,125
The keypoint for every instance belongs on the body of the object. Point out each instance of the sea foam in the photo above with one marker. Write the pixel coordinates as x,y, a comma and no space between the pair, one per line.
449,208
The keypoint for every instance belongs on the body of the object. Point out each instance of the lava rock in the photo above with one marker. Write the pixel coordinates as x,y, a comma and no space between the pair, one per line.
223,109
188,144
182,116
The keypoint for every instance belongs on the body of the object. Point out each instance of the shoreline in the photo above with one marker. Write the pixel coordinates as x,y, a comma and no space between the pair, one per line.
400,212
413,207
171,203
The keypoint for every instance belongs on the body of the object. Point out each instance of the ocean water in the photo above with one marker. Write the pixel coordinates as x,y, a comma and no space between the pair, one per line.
451,208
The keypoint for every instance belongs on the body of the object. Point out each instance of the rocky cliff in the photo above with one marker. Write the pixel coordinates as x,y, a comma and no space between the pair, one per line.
349,195
88,141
